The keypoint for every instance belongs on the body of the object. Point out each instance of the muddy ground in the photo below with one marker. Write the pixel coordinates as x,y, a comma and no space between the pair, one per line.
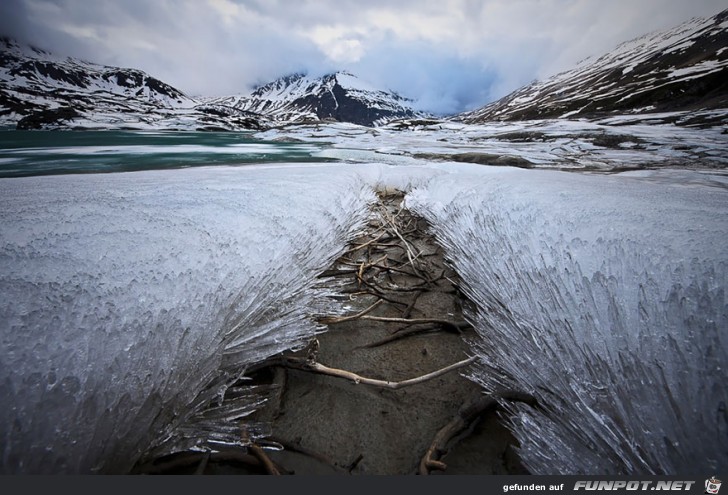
404,320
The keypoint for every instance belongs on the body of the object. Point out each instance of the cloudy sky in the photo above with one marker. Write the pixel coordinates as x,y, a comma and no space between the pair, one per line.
450,55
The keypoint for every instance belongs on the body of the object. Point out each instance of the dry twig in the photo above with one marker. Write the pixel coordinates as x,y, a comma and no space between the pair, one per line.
341,319
265,461
466,416
456,325
320,368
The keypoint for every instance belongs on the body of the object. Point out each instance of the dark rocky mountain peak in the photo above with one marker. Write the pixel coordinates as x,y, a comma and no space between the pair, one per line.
338,96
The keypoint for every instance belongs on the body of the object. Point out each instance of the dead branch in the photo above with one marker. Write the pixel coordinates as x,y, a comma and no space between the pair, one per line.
341,319
401,334
408,249
399,270
265,461
306,365
393,288
378,294
297,447
353,464
365,266
408,310
465,417
456,325
360,246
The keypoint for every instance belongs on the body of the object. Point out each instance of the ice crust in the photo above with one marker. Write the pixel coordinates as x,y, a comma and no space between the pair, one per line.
645,141
130,302
605,298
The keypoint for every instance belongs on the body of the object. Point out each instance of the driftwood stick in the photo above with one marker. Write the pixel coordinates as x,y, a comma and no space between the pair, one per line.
398,270
408,310
371,291
365,266
464,418
374,292
400,334
387,245
265,461
341,319
358,247
353,464
408,249
325,370
376,286
297,447
457,325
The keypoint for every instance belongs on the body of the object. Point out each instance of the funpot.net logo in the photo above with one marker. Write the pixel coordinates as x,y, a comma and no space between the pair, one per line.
662,485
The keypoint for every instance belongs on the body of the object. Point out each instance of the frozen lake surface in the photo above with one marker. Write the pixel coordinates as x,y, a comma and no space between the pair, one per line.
30,153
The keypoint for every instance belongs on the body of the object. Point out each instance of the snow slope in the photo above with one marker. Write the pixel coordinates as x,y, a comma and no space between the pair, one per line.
41,90
680,69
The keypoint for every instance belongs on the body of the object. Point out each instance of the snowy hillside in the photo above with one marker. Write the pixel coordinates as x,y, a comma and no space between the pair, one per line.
340,96
684,68
39,89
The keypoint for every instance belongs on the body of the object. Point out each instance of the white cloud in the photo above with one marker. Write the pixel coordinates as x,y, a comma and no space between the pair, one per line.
339,43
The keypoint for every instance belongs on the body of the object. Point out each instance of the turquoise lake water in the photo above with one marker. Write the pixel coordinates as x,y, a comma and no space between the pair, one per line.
29,153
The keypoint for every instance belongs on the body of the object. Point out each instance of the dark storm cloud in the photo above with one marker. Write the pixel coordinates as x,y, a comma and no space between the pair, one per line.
14,20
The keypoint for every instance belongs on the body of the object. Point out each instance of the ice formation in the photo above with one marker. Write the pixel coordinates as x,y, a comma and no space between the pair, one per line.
130,302
605,298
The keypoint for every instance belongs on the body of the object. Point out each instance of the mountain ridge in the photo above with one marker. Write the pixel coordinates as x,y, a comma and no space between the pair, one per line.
678,75
339,96
42,90
682,69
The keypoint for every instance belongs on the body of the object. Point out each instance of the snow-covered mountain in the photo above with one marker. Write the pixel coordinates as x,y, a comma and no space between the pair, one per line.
39,89
682,70
339,96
